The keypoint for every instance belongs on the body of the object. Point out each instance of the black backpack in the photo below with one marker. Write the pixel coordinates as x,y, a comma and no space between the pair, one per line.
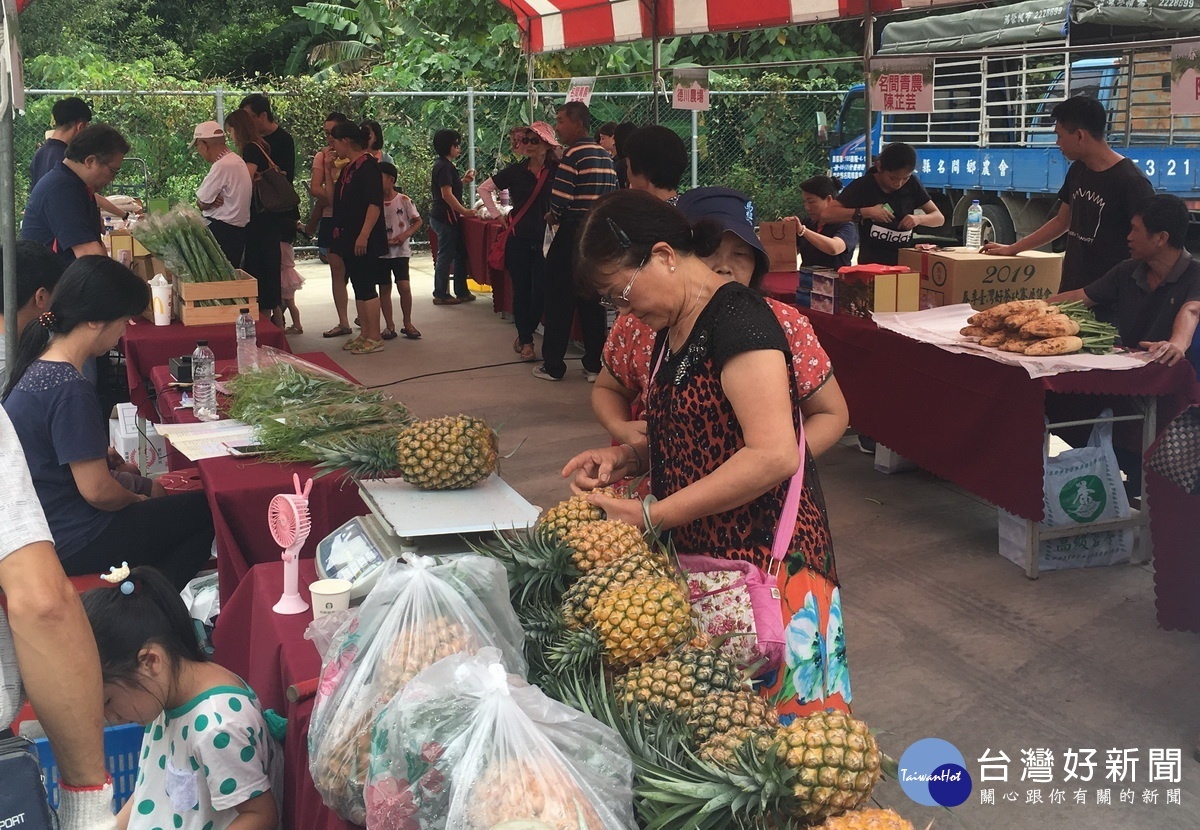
23,802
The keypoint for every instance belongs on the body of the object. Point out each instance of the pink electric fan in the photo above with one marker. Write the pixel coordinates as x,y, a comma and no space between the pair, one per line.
290,524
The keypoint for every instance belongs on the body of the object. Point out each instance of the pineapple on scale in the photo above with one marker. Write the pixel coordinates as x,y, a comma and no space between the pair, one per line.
449,453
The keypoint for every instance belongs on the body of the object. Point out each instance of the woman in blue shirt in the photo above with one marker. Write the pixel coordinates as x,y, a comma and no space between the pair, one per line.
96,523
823,244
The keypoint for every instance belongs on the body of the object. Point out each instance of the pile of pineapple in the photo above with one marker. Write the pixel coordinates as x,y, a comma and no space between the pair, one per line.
610,630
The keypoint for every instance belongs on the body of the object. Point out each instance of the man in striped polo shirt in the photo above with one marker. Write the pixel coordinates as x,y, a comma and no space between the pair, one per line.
584,175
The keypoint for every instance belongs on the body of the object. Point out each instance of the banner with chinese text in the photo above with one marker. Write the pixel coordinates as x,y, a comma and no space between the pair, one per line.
902,85
691,89
581,90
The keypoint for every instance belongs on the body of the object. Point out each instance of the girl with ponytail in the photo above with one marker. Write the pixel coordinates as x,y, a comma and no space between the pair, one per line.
208,757
725,399
95,521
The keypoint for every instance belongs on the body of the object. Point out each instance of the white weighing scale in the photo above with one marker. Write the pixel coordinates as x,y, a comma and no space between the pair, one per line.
404,519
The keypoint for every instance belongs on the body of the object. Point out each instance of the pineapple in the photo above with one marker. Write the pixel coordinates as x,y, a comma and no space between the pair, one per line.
867,820
632,622
642,619
449,453
720,712
581,597
594,544
814,768
529,790
678,680
575,511
539,567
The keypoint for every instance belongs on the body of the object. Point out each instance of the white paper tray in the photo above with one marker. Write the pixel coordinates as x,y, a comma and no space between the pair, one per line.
489,505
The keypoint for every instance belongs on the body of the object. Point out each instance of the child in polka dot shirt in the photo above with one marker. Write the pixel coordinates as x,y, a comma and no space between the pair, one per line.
208,761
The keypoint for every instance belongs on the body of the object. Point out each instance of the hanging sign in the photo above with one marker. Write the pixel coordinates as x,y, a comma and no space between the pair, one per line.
581,90
902,84
1185,78
691,89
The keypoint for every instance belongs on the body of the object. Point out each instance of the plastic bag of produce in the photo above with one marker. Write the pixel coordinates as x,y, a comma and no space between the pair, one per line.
468,746
420,611
1081,486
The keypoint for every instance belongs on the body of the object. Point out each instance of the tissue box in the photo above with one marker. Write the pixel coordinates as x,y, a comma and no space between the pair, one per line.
123,436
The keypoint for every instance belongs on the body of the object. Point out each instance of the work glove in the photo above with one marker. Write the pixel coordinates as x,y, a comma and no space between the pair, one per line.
86,808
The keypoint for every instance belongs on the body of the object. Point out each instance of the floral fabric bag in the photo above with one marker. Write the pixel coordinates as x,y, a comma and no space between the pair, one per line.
469,746
421,610
739,600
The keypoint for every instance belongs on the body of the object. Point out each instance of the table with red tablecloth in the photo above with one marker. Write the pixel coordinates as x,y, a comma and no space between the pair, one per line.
269,652
973,421
146,346
781,285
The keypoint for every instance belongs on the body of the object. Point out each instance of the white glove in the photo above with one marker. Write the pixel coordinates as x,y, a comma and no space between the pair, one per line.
87,809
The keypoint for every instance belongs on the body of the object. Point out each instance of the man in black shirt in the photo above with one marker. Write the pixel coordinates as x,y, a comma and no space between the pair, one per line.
70,116
1153,298
1097,199
884,202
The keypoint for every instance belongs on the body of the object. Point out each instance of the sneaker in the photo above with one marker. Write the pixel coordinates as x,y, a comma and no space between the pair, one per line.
540,372
866,445
446,301
366,346
590,376
352,344
470,298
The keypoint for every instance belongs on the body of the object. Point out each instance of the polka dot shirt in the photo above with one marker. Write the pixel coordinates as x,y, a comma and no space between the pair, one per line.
202,759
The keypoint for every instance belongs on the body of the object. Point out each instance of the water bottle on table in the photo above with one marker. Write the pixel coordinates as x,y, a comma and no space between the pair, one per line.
204,383
974,231
247,342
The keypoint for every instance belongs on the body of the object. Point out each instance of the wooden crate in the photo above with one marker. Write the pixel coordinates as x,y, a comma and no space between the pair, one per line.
187,294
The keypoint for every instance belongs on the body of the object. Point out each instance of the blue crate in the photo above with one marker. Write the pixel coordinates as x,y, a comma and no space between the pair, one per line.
122,748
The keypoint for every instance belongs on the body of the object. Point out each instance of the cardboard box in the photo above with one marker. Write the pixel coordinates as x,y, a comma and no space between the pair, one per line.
123,436
862,296
951,276
123,241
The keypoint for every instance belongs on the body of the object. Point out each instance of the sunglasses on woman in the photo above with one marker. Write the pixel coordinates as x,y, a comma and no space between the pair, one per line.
531,140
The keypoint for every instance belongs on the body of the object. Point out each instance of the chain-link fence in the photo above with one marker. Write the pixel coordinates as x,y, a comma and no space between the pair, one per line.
763,142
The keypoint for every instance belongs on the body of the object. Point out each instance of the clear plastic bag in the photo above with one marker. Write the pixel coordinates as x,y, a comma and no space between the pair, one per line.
420,611
468,746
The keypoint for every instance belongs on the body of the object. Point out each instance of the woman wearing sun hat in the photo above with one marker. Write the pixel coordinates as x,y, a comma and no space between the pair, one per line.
528,185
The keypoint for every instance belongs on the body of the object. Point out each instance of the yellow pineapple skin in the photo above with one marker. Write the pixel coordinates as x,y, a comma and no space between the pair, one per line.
838,758
594,544
678,680
641,619
867,820
529,790
721,712
450,453
581,598
567,515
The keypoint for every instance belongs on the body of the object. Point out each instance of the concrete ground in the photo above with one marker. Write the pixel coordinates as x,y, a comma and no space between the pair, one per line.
946,639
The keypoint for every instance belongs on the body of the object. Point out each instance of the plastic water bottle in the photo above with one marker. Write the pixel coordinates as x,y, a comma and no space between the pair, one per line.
204,383
247,342
974,230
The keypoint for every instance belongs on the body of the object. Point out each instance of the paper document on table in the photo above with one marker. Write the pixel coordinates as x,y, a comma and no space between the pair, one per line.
208,439
940,326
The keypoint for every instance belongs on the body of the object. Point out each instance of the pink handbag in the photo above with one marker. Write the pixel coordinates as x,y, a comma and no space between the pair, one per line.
740,601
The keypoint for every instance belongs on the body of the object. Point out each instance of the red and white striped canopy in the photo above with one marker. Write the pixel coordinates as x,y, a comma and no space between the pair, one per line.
549,25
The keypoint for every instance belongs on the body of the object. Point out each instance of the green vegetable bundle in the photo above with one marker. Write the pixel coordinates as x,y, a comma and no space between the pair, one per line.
1097,337
182,240
287,433
273,390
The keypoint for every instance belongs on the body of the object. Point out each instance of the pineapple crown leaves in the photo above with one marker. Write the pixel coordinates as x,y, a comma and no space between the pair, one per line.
574,652
539,567
675,789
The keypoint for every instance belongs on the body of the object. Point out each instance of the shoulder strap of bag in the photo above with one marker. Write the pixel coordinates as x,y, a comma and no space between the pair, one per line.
532,198
267,152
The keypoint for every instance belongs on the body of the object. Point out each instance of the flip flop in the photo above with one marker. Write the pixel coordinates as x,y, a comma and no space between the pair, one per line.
338,331
411,333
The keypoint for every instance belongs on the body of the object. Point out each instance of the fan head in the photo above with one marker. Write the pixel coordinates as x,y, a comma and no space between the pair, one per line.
289,520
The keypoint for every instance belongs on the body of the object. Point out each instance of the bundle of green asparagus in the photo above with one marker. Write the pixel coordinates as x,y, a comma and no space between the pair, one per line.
181,239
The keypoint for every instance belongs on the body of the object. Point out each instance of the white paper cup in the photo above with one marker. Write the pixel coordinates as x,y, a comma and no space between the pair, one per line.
160,298
329,596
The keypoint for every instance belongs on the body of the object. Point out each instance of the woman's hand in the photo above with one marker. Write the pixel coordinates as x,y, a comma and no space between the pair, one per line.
360,246
597,468
907,223
469,176
878,213
630,511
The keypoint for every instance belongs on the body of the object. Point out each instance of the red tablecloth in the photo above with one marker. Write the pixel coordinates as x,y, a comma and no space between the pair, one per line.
478,236
1175,529
146,346
269,652
781,286
973,421
168,398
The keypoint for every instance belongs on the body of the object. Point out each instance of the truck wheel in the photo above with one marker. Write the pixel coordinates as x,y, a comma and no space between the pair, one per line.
998,225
